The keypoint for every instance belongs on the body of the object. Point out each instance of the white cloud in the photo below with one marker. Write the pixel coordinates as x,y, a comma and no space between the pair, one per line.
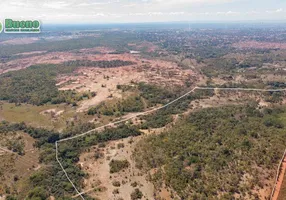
176,13
187,2
141,10
129,5
156,13
253,12
17,3
93,4
228,13
279,10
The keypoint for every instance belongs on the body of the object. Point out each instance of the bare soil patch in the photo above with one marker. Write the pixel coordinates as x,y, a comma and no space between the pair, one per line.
280,192
104,81
18,41
105,185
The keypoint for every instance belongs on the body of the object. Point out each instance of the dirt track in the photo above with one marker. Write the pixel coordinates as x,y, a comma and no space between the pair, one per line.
280,180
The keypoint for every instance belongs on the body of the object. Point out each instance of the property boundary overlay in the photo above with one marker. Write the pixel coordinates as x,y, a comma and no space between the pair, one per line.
80,194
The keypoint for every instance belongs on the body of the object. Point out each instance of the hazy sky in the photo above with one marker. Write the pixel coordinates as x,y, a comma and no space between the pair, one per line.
101,11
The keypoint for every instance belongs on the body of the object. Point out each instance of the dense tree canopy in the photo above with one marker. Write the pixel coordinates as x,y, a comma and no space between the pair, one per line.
210,152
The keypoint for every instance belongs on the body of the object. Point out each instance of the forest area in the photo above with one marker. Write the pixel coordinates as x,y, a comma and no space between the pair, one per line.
209,153
37,84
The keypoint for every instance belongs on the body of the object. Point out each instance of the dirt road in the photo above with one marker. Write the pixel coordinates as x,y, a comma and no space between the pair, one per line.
280,180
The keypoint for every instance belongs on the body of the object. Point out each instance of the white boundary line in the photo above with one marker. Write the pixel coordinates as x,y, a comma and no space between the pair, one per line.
66,172
147,112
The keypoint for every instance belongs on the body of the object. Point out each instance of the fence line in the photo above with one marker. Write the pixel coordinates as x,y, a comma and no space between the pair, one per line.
147,112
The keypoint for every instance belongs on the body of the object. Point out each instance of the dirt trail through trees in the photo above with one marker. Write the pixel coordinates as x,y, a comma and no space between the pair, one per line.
280,180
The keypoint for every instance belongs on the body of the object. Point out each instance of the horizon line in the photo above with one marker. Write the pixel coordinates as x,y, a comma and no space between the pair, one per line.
172,22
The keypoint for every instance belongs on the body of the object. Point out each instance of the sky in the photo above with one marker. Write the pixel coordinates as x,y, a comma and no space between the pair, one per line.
132,11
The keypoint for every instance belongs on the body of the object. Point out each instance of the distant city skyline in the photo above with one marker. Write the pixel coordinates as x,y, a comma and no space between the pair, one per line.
133,11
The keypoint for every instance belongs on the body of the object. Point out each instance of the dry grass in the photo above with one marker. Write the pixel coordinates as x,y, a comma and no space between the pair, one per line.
47,116
15,169
100,182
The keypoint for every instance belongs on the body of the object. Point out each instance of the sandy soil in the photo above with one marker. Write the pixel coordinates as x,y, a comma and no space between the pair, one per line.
31,53
229,98
104,81
100,177
53,112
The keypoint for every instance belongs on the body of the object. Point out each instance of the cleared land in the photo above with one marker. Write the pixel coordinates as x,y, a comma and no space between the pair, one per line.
47,116
102,183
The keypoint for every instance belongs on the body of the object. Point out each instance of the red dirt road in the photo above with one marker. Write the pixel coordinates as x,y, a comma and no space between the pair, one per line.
280,180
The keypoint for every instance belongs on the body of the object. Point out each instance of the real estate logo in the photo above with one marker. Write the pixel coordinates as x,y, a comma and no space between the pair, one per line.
22,26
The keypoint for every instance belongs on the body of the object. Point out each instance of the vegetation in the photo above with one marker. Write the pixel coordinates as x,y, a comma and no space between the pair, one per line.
130,104
134,184
51,177
124,88
213,153
118,165
154,94
120,145
209,153
43,136
100,64
116,183
136,194
38,193
164,116
16,146
37,85
117,40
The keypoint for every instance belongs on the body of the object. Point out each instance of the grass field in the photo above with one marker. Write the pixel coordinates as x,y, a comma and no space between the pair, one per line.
47,116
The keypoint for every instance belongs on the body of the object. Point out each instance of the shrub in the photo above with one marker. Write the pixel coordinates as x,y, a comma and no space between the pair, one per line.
118,165
136,194
116,183
134,184
120,145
